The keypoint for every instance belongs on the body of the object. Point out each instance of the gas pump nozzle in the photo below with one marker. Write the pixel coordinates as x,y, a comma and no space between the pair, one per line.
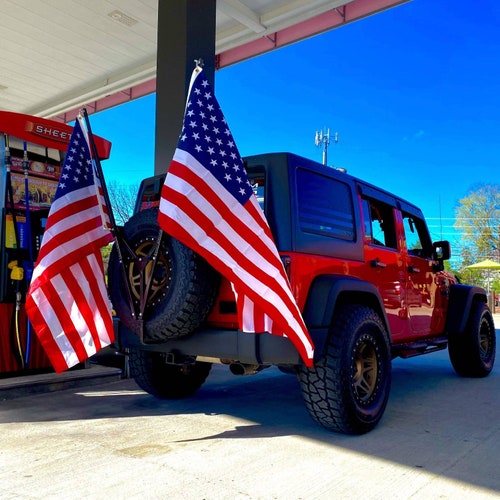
16,272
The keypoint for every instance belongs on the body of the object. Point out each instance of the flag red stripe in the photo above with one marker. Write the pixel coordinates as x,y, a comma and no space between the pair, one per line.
58,265
258,319
184,235
64,207
94,271
44,334
99,306
59,310
83,305
62,237
257,214
264,260
256,241
261,270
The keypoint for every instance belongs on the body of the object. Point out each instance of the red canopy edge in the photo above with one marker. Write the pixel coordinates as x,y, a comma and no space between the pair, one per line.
47,133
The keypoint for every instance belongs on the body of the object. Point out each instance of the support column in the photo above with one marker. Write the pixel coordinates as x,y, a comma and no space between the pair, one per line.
186,31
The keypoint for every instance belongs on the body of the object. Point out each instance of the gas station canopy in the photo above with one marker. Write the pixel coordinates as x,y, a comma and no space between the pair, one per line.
59,55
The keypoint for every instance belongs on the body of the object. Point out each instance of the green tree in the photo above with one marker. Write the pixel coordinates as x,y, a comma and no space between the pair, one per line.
477,219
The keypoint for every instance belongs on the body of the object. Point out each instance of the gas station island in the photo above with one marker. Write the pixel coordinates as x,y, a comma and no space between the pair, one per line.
31,155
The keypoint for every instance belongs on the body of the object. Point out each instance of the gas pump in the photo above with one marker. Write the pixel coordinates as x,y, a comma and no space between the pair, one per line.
31,154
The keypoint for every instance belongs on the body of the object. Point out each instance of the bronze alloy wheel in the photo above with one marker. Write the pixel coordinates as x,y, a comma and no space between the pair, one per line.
485,339
162,276
365,368
348,388
183,286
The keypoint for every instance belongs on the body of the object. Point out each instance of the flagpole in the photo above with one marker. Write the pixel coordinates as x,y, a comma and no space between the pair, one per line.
100,173
120,241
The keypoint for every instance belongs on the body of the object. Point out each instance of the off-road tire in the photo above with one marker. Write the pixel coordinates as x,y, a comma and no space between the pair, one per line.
348,389
472,353
184,286
166,381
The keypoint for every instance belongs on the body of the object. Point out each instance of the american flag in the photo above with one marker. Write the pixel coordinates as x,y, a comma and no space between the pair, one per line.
67,302
208,204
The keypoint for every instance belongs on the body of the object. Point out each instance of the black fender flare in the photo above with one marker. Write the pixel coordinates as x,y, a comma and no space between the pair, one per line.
460,302
330,291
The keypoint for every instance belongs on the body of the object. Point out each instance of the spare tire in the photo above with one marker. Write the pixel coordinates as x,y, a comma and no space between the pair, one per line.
183,288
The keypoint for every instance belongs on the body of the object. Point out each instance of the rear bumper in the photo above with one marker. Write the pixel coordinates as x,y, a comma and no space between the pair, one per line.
234,345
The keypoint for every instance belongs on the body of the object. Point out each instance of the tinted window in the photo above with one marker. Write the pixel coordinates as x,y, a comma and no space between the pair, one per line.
417,237
258,186
379,223
149,193
325,206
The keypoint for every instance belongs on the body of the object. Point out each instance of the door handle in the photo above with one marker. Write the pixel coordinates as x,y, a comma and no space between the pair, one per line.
413,269
378,263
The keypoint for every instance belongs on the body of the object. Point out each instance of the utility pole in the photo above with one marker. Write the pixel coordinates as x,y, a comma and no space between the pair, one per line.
323,139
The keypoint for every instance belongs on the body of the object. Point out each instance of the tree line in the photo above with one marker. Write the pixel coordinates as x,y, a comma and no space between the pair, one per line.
478,222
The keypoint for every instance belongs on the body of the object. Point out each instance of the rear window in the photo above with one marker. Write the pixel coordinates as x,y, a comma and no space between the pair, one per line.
325,206
149,193
258,187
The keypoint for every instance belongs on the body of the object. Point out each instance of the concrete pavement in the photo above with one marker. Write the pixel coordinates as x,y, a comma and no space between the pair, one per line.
251,437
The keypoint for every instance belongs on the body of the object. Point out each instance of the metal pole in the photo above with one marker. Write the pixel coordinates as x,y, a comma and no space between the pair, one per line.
100,173
186,31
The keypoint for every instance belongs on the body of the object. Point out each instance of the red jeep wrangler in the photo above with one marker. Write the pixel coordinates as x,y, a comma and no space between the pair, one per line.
369,281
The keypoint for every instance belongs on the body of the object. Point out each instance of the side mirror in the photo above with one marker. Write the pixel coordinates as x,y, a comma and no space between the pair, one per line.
441,250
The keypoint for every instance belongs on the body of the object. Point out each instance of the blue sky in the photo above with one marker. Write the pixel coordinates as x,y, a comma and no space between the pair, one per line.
413,92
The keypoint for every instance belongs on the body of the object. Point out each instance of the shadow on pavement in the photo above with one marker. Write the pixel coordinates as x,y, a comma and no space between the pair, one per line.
433,416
